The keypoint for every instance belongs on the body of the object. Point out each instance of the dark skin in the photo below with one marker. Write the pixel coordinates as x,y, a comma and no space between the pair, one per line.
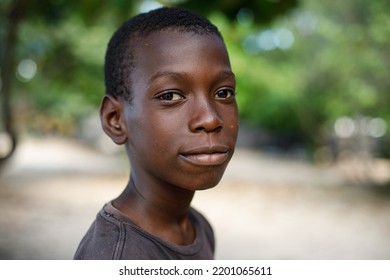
180,129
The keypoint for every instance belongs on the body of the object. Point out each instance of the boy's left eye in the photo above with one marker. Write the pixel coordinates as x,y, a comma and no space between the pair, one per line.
224,93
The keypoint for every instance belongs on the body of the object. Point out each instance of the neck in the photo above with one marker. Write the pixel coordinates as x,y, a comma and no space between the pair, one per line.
161,210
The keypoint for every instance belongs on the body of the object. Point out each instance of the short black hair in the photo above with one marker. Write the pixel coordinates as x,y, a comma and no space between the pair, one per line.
119,60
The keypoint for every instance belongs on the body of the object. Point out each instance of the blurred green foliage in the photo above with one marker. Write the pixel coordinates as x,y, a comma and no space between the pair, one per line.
300,66
338,65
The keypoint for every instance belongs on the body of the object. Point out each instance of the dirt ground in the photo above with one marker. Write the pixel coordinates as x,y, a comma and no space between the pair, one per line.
264,208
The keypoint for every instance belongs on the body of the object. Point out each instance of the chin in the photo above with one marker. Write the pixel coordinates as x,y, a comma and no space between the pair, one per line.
205,182
206,187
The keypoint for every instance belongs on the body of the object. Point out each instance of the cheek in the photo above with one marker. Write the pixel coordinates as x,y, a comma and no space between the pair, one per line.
147,149
232,123
154,135
234,130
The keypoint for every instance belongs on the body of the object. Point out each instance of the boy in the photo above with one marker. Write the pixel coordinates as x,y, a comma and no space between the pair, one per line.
170,99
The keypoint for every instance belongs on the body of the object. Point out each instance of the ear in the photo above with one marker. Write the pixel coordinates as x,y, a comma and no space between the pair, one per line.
113,119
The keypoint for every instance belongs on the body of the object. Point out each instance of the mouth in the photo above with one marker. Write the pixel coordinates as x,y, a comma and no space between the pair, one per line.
206,156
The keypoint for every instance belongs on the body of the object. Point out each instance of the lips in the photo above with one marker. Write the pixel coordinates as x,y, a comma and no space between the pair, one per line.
206,156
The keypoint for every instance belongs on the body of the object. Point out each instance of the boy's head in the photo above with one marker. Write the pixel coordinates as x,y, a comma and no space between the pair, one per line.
120,60
171,99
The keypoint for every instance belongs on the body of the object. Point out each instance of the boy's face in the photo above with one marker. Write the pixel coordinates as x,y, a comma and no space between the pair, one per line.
182,123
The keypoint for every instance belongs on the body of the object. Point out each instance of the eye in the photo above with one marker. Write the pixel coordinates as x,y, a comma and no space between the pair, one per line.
224,93
170,96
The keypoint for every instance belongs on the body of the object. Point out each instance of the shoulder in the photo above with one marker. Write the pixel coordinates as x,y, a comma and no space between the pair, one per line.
198,217
103,239
113,236
202,227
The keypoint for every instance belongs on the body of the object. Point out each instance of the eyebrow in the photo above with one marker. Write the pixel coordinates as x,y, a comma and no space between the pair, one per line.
225,74
222,75
164,74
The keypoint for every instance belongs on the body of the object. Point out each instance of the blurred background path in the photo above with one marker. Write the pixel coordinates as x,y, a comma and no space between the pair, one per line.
264,208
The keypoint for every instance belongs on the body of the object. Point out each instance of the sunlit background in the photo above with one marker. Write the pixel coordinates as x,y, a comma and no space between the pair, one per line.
311,175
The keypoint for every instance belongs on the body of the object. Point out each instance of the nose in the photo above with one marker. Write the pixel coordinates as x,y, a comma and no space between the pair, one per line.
205,117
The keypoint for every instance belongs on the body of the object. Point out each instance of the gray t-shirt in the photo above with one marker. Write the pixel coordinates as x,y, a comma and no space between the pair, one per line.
114,236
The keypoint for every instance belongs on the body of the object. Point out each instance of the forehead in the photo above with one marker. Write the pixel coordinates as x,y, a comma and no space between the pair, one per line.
174,49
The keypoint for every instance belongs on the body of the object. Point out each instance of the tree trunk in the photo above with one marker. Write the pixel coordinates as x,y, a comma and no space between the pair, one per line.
13,19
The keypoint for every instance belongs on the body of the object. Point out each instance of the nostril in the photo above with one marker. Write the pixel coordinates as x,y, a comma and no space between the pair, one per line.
218,129
214,125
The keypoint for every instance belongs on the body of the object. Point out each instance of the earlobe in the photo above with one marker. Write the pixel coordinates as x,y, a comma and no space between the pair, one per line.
113,119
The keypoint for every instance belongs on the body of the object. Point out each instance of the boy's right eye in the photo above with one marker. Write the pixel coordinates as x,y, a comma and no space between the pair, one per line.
170,96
